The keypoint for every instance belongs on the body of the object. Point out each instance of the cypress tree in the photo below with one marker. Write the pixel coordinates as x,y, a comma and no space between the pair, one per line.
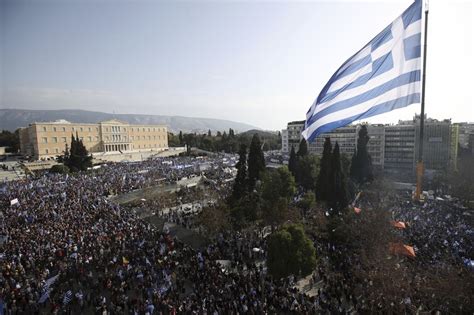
293,162
240,183
180,137
77,158
361,165
303,149
338,198
256,161
323,180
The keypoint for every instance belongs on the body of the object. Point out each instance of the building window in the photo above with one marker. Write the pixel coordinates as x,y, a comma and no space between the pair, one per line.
64,129
56,150
90,139
55,140
46,151
90,129
54,129
131,138
82,129
143,129
64,139
124,129
73,128
44,140
97,129
44,128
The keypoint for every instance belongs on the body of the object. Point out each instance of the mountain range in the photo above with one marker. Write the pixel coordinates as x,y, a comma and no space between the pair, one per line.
11,119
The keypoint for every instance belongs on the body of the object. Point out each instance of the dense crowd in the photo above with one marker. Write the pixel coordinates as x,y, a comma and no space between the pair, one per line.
65,247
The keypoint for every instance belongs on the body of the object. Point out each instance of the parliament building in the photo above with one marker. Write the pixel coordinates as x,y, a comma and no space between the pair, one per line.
42,140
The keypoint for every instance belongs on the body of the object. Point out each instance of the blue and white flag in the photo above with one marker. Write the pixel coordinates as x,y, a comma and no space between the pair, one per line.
44,297
383,76
67,297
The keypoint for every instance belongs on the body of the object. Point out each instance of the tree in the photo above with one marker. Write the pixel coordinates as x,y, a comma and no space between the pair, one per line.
293,162
173,140
181,137
278,183
307,171
10,140
245,209
361,166
279,139
77,158
303,149
337,195
323,180
214,219
256,162
277,189
290,252
240,183
307,202
60,169
209,133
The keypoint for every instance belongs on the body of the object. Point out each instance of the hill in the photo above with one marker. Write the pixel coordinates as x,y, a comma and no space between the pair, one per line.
11,119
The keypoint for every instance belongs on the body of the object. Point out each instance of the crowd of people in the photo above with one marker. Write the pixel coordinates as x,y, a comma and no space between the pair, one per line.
65,247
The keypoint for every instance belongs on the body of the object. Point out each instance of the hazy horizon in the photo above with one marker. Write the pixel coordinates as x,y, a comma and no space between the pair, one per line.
261,63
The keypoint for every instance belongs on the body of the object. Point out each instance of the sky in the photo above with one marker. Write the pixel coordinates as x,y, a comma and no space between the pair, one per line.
258,62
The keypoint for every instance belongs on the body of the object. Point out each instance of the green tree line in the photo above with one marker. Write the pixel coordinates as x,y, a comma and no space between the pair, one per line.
228,142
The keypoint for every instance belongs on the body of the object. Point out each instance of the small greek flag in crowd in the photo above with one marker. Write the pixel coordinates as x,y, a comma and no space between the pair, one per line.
381,77
67,297
50,282
44,297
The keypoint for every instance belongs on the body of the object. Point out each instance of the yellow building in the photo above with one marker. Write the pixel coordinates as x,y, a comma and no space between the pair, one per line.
42,140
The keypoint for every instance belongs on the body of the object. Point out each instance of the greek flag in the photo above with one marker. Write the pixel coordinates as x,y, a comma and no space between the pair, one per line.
67,297
383,76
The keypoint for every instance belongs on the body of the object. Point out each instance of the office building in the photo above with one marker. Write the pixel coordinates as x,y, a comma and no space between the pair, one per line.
291,136
465,130
346,137
393,148
399,149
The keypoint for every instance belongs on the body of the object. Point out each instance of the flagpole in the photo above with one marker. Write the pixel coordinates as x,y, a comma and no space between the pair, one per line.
419,165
